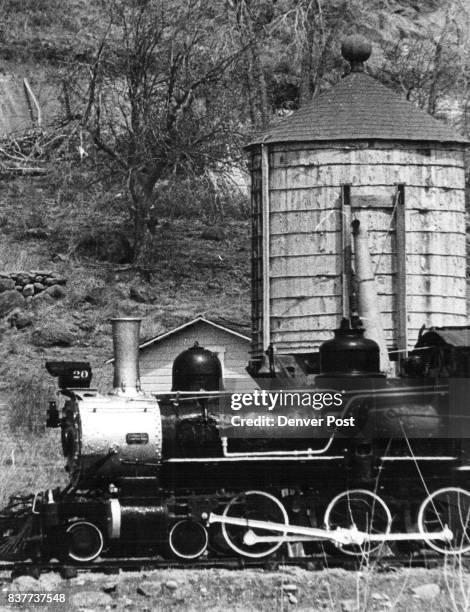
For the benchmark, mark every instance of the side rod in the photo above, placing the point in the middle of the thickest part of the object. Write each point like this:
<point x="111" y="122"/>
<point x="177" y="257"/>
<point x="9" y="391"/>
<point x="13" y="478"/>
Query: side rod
<point x="339" y="535"/>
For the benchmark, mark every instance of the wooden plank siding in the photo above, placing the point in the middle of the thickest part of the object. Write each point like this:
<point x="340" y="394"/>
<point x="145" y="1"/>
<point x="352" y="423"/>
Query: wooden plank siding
<point x="306" y="241"/>
<point x="156" y="360"/>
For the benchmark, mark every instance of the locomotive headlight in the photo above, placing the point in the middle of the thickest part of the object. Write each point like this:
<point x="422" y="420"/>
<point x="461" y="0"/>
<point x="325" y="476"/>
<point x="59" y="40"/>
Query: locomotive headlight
<point x="53" y="417"/>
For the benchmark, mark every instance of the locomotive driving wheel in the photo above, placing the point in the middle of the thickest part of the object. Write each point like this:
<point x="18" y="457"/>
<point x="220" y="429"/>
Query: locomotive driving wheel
<point x="188" y="540"/>
<point x="363" y="510"/>
<point x="83" y="542"/>
<point x="448" y="507"/>
<point x="254" y="505"/>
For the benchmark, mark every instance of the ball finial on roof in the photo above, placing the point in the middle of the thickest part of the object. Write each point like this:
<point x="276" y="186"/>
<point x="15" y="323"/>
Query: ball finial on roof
<point x="356" y="50"/>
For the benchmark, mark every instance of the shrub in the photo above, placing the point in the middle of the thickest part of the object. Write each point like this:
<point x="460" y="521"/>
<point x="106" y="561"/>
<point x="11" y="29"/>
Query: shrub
<point x="28" y="405"/>
<point x="201" y="197"/>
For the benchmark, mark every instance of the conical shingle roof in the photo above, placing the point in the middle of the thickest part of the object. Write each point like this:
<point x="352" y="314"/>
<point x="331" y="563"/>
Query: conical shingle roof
<point x="359" y="108"/>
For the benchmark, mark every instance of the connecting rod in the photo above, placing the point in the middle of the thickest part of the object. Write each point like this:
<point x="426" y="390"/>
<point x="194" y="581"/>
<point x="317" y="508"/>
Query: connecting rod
<point x="340" y="536"/>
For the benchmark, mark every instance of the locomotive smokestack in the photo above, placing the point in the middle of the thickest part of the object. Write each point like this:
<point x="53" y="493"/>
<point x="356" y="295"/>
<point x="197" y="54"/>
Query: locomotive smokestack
<point x="126" y="356"/>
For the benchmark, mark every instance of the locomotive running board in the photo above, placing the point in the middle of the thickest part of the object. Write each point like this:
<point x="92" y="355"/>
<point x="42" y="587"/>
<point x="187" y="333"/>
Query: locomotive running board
<point x="340" y="535"/>
<point x="256" y="458"/>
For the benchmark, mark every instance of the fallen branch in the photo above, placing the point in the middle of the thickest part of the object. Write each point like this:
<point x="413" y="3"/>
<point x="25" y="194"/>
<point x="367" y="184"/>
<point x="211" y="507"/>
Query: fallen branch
<point x="8" y="172"/>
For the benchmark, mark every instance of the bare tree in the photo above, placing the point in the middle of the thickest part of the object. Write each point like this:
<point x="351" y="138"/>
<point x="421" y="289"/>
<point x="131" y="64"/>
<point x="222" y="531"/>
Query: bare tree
<point x="317" y="29"/>
<point x="430" y="67"/>
<point x="157" y="100"/>
<point x="251" y="20"/>
<point x="312" y="31"/>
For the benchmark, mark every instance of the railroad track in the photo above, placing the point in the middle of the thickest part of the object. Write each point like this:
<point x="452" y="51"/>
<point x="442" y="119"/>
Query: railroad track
<point x="312" y="562"/>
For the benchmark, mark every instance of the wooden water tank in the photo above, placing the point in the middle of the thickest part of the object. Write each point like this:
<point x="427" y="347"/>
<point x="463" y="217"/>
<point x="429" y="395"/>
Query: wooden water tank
<point x="357" y="151"/>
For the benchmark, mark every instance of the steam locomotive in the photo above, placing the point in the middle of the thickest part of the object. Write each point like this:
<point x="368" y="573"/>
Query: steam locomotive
<point x="163" y="476"/>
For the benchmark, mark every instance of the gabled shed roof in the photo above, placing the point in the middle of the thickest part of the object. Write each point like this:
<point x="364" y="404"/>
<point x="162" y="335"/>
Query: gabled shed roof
<point x="230" y="327"/>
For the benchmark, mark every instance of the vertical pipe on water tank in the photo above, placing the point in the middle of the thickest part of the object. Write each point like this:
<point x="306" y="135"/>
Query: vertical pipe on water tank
<point x="266" y="231"/>
<point x="367" y="292"/>
<point x="126" y="356"/>
<point x="346" y="246"/>
<point x="402" y="302"/>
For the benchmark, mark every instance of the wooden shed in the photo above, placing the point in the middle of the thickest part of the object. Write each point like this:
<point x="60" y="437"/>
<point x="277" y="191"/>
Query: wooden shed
<point x="361" y="151"/>
<point x="229" y="340"/>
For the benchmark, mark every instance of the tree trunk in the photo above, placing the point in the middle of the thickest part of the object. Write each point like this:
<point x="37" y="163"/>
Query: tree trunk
<point x="251" y="91"/>
<point x="308" y="63"/>
<point x="142" y="242"/>
<point x="433" y="90"/>
<point x="141" y="193"/>
<point x="261" y="86"/>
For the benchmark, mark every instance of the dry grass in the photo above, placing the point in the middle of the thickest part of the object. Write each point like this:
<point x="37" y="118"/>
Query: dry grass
<point x="457" y="583"/>
<point x="28" y="404"/>
<point x="29" y="461"/>
<point x="66" y="27"/>
<point x="29" y="464"/>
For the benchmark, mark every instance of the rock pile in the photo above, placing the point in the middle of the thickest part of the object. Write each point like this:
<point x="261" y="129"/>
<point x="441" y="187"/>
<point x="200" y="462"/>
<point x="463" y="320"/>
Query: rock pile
<point x="33" y="282"/>
<point x="17" y="289"/>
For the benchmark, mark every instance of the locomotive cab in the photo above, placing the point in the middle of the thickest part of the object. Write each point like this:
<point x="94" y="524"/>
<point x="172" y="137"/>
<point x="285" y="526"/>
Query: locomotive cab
<point x="441" y="352"/>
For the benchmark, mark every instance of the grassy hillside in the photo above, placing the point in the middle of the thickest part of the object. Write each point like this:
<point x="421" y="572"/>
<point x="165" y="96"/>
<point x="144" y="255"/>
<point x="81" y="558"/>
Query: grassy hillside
<point x="192" y="275"/>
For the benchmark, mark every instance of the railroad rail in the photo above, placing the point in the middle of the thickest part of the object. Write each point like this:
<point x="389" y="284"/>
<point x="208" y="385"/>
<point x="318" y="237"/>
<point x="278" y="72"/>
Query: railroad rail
<point x="316" y="562"/>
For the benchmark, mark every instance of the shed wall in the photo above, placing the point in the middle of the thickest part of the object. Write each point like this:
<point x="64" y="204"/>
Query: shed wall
<point x="156" y="360"/>
<point x="306" y="237"/>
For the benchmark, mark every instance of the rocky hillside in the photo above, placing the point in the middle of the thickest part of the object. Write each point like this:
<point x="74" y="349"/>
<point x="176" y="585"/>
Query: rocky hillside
<point x="203" y="270"/>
